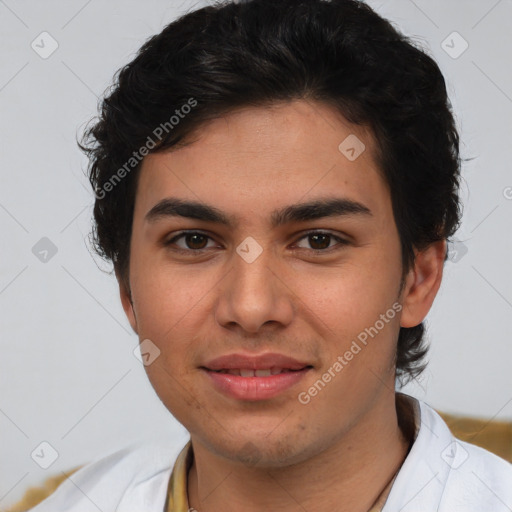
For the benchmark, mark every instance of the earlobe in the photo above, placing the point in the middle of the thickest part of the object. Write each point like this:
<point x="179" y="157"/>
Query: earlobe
<point x="126" y="301"/>
<point x="422" y="284"/>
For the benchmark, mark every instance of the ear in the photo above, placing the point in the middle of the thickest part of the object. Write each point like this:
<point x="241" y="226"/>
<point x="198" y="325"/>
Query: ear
<point x="126" y="301"/>
<point x="422" y="284"/>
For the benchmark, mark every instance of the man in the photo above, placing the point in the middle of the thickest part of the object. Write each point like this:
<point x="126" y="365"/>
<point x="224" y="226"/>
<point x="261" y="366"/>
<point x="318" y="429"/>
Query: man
<point x="275" y="185"/>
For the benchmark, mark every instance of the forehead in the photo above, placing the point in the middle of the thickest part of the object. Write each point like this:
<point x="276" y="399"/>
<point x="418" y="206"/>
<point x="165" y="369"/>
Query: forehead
<point x="256" y="158"/>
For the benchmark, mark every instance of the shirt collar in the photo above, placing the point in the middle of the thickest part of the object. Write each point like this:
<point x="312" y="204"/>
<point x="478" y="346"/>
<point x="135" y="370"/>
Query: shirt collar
<point x="177" y="494"/>
<point x="422" y="479"/>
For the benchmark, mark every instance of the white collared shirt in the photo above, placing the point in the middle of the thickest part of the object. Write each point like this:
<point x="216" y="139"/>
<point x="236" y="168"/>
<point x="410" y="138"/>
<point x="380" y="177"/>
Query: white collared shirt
<point x="440" y="474"/>
<point x="443" y="474"/>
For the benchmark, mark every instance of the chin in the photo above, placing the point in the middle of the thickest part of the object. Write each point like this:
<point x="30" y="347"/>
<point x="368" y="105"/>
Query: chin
<point x="260" y="451"/>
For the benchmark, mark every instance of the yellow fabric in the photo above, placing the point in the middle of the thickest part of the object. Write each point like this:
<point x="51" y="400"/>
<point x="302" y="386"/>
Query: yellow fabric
<point x="34" y="495"/>
<point x="177" y="494"/>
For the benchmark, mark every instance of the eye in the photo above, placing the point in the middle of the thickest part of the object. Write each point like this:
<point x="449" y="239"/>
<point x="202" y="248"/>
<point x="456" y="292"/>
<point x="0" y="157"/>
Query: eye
<point x="194" y="241"/>
<point x="320" y="241"/>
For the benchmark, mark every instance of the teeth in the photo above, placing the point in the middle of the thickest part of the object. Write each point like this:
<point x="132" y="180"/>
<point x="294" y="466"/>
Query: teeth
<point x="267" y="372"/>
<point x="262" y="373"/>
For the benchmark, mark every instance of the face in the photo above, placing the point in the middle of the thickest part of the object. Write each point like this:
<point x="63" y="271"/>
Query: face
<point x="301" y="284"/>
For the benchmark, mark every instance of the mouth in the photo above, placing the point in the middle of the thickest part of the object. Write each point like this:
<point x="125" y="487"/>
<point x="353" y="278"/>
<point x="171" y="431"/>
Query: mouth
<point x="247" y="384"/>
<point x="247" y="376"/>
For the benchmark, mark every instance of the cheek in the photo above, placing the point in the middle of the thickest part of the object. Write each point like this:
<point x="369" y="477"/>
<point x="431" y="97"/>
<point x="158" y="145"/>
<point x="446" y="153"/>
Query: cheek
<point x="169" y="313"/>
<point x="168" y="298"/>
<point x="351" y="294"/>
<point x="351" y="306"/>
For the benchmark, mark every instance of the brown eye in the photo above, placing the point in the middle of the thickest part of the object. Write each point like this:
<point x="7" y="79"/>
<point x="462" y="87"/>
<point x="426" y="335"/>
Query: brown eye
<point x="320" y="242"/>
<point x="193" y="241"/>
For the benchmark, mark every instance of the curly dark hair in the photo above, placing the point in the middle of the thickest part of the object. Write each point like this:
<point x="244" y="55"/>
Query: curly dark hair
<point x="339" y="52"/>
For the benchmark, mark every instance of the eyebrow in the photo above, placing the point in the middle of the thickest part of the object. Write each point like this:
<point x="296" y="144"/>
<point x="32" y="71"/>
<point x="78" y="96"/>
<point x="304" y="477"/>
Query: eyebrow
<point x="301" y="212"/>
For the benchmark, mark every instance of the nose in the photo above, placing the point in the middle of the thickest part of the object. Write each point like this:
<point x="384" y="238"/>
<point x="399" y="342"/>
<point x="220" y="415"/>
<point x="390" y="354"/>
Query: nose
<point x="253" y="295"/>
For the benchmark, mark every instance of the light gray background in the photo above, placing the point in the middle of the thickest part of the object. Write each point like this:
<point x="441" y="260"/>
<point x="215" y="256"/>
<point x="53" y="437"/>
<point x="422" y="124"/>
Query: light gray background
<point x="68" y="372"/>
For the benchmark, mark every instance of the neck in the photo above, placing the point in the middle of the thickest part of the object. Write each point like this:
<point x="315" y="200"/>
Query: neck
<point x="349" y="476"/>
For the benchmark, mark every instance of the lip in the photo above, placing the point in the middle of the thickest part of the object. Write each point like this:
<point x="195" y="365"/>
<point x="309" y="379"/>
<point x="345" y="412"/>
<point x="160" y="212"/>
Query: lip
<point x="254" y="388"/>
<point x="259" y="362"/>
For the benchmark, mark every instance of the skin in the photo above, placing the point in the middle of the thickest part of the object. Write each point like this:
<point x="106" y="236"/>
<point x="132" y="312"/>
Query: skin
<point x="341" y="449"/>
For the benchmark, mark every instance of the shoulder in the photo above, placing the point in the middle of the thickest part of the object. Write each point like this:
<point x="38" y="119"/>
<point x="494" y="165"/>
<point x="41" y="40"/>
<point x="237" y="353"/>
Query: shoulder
<point x="475" y="475"/>
<point x="444" y="473"/>
<point x="135" y="477"/>
<point x="478" y="477"/>
<point x="468" y="457"/>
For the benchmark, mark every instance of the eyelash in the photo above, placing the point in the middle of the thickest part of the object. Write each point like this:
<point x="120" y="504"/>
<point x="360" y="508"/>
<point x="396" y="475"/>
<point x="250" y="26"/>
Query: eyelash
<point x="341" y="242"/>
